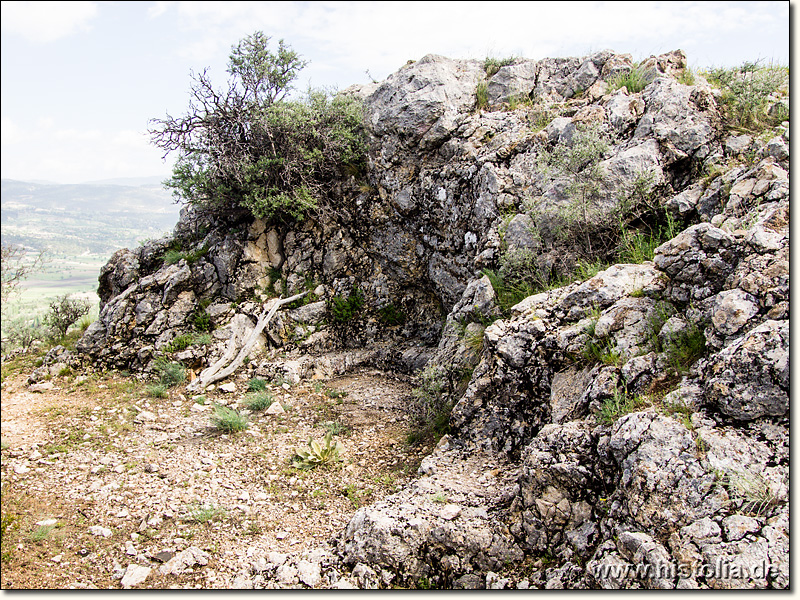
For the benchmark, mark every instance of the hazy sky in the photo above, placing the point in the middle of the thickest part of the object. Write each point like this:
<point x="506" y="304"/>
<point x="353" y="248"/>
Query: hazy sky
<point x="80" y="80"/>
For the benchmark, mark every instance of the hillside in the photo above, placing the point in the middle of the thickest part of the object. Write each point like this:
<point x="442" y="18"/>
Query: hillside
<point x="84" y="218"/>
<point x="582" y="262"/>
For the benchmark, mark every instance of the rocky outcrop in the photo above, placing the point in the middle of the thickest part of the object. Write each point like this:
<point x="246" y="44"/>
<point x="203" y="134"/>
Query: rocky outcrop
<point x="629" y="429"/>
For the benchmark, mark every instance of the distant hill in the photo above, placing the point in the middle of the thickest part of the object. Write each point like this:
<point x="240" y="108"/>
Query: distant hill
<point x="90" y="218"/>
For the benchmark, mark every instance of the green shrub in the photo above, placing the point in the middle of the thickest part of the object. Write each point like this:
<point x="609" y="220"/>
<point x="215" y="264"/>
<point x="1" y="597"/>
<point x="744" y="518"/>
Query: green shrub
<point x="391" y="315"/>
<point x="751" y="487"/>
<point x="345" y="309"/>
<point x="22" y="334"/>
<point x="508" y="292"/>
<point x="206" y="513"/>
<point x="430" y="406"/>
<point x="157" y="390"/>
<point x="64" y="311"/>
<point x="256" y="385"/>
<point x="228" y="420"/>
<point x="202" y="321"/>
<point x="619" y="405"/>
<point x="172" y="257"/>
<point x="684" y="348"/>
<point x="258" y="401"/>
<point x="169" y="373"/>
<point x="746" y="92"/>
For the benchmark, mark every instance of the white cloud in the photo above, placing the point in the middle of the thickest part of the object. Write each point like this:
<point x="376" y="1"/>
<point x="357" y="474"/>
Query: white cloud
<point x="46" y="21"/>
<point x="71" y="155"/>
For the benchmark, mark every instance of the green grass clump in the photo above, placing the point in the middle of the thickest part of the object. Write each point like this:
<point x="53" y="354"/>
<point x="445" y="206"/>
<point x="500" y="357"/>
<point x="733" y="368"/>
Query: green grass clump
<point x="228" y="420"/>
<point x="747" y="93"/>
<point x="634" y="80"/>
<point x="391" y="315"/>
<point x="482" y="95"/>
<point x="259" y="401"/>
<point x="492" y="65"/>
<point x="157" y="390"/>
<point x="169" y="373"/>
<point x="619" y="405"/>
<point x="256" y="385"/>
<point x="205" y="514"/>
<point x="753" y="488"/>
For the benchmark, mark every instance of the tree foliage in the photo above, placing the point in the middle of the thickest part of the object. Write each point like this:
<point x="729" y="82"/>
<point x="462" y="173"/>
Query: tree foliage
<point x="250" y="147"/>
<point x="64" y="312"/>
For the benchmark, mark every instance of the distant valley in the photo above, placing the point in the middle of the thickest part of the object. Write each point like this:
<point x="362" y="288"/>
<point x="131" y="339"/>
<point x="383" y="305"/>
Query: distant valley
<point x="75" y="219"/>
<point x="79" y="226"/>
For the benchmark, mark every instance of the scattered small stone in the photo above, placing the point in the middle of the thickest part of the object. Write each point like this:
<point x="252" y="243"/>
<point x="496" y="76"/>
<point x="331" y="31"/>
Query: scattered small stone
<point x="281" y="535"/>
<point x="450" y="512"/>
<point x="57" y="558"/>
<point x="100" y="531"/>
<point x="47" y="523"/>
<point x="309" y="573"/>
<point x="45" y="386"/>
<point x="228" y="388"/>
<point x="151" y="468"/>
<point x="143" y="416"/>
<point x="21" y="469"/>
<point x="183" y="560"/>
<point x="163" y="556"/>
<point x="130" y="549"/>
<point x="275" y="409"/>
<point x="134" y="575"/>
<point x="286" y="574"/>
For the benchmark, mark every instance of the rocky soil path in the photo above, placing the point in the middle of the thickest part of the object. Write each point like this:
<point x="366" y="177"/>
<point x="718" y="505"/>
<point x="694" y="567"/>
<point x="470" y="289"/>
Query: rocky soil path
<point x="104" y="486"/>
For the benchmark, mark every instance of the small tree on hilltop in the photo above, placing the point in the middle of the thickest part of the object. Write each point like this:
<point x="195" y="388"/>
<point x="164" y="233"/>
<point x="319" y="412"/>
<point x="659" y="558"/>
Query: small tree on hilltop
<point x="251" y="148"/>
<point x="64" y="312"/>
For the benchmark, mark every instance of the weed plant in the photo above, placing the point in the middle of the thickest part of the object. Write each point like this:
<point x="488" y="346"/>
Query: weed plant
<point x="228" y="420"/>
<point x="747" y="92"/>
<point x="169" y="373"/>
<point x="634" y="80"/>
<point x="256" y="385"/>
<point x="258" y="401"/>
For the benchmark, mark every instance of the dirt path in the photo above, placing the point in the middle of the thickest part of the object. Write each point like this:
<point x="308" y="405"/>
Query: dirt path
<point x="98" y="476"/>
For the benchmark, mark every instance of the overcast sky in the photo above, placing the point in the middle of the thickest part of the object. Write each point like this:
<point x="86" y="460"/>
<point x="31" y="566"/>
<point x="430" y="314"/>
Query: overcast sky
<point x="80" y="80"/>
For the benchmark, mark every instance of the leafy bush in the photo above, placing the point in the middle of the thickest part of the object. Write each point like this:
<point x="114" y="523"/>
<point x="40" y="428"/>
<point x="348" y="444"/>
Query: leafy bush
<point x="22" y="334"/>
<point x="746" y="93"/>
<point x="318" y="454"/>
<point x="343" y="309"/>
<point x="248" y="147"/>
<point x="228" y="420"/>
<point x="64" y="311"/>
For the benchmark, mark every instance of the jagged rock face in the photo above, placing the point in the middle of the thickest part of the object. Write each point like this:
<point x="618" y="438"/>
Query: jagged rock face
<point x="539" y="460"/>
<point x="440" y="175"/>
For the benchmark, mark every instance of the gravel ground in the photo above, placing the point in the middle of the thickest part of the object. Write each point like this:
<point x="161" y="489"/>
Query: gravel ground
<point x="99" y="480"/>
